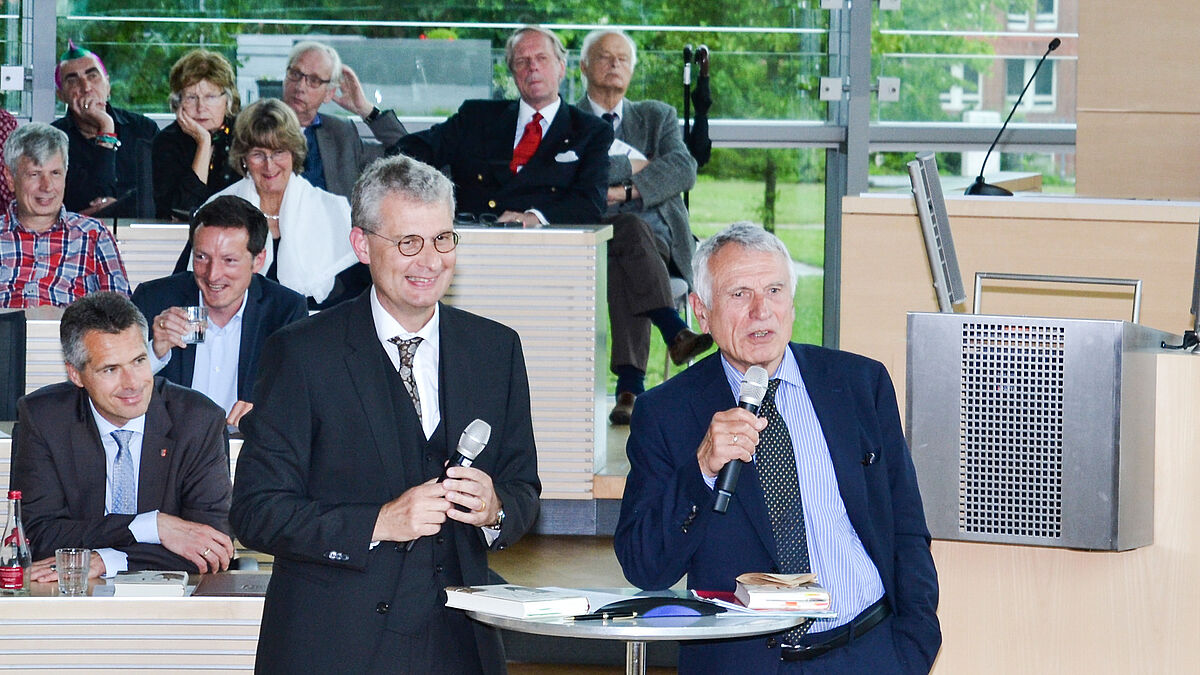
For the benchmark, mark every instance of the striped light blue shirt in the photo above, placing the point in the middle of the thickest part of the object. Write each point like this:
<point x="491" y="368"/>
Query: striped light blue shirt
<point x="837" y="555"/>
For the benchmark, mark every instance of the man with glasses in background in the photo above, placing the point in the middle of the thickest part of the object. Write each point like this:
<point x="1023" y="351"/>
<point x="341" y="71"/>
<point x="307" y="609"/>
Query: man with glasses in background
<point x="104" y="160"/>
<point x="356" y="411"/>
<point x="336" y="153"/>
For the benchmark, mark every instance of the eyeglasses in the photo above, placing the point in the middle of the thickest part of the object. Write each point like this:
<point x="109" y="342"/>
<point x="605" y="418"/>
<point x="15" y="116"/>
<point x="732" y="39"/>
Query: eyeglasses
<point x="207" y="99"/>
<point x="312" y="79"/>
<point x="260" y="157"/>
<point x="411" y="244"/>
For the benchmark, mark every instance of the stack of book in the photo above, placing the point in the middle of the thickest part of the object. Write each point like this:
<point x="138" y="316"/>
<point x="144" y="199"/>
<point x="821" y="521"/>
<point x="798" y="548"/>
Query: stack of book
<point x="521" y="602"/>
<point x="800" y="592"/>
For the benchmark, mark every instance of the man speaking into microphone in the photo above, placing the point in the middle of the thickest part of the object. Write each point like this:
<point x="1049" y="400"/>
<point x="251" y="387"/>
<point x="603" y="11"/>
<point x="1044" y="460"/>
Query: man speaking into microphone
<point x="357" y="411"/>
<point x="827" y="485"/>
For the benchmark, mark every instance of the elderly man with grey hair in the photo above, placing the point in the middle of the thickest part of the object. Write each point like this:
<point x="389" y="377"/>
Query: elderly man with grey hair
<point x="336" y="153"/>
<point x="118" y="461"/>
<point x="357" y="410"/>
<point x="827" y="483"/>
<point x="649" y="169"/>
<point x="48" y="255"/>
<point x="535" y="161"/>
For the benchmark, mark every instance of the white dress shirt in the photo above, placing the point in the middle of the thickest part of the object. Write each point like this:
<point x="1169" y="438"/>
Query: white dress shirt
<point x="425" y="360"/>
<point x="216" y="369"/>
<point x="145" y="525"/>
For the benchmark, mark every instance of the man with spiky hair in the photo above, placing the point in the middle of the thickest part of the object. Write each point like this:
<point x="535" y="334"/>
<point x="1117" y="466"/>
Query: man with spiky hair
<point x="103" y="138"/>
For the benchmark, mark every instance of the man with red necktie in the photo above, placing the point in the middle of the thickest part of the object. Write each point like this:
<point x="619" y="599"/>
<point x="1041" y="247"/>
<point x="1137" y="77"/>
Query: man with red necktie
<point x="536" y="161"/>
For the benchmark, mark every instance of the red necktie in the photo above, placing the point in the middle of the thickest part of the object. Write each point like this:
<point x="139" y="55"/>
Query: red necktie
<point x="528" y="144"/>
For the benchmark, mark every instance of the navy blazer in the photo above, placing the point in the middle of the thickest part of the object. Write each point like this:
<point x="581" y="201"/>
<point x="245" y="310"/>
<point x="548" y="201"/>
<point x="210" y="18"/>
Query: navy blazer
<point x="667" y="527"/>
<point x="327" y="446"/>
<point x="566" y="179"/>
<point x="269" y="307"/>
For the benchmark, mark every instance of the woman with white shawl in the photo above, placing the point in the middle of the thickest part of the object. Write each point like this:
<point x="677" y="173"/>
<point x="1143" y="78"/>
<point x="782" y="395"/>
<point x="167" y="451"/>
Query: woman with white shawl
<point x="310" y="250"/>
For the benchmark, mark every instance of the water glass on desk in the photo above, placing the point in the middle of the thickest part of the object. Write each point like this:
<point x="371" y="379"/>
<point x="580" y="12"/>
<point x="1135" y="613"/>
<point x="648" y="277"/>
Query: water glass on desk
<point x="197" y="318"/>
<point x="72" y="565"/>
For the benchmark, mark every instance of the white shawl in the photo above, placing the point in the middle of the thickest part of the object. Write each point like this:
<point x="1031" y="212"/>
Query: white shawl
<point x="314" y="235"/>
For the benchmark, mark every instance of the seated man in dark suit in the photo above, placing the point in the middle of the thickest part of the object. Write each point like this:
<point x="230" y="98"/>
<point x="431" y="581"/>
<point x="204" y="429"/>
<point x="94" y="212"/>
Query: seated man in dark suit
<point x="118" y="461"/>
<point x="228" y="243"/>
<point x="827" y="485"/>
<point x="535" y="161"/>
<point x="649" y="169"/>
<point x="104" y="159"/>
<point x="336" y="153"/>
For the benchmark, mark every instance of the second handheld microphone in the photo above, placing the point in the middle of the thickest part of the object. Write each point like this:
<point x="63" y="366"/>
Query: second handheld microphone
<point x="754" y="388"/>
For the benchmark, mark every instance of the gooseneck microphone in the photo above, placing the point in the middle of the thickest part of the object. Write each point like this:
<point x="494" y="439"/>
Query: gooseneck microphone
<point x="754" y="388"/>
<point x="986" y="189"/>
<point x="470" y="444"/>
<point x="472" y="441"/>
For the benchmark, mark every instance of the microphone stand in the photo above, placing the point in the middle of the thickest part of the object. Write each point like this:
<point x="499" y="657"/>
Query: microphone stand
<point x="687" y="106"/>
<point x="980" y="188"/>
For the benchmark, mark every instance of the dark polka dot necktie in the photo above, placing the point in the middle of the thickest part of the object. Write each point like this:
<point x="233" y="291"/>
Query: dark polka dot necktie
<point x="776" y="462"/>
<point x="408" y="349"/>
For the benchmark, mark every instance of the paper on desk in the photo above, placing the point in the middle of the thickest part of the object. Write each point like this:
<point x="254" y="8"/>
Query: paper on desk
<point x="738" y="608"/>
<point x="620" y="147"/>
<point x="776" y="580"/>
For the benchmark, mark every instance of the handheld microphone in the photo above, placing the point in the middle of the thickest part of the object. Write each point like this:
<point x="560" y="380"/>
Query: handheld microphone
<point x="470" y="444"/>
<point x="981" y="188"/>
<point x="754" y="388"/>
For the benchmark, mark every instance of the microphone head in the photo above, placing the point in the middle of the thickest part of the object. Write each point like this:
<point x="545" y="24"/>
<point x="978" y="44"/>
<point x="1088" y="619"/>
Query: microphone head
<point x="754" y="386"/>
<point x="687" y="53"/>
<point x="1055" y="43"/>
<point x="474" y="438"/>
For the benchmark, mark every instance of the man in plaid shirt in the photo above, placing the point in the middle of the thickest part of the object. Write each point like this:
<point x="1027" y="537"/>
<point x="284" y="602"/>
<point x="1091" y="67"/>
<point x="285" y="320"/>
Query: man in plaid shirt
<point x="48" y="255"/>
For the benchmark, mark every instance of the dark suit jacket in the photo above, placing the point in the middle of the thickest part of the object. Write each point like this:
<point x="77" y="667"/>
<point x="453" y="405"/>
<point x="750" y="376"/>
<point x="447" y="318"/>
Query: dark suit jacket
<point x="326" y="447"/>
<point x="343" y="152"/>
<point x="653" y="128"/>
<point x="667" y="527"/>
<point x="269" y="307"/>
<point x="59" y="467"/>
<point x="93" y="171"/>
<point x="566" y="179"/>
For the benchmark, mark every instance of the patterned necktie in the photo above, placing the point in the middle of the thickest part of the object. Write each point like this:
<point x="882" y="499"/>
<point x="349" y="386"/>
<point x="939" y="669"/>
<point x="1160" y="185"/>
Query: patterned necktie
<point x="528" y="144"/>
<point x="408" y="349"/>
<point x="611" y="118"/>
<point x="776" y="462"/>
<point x="124" y="487"/>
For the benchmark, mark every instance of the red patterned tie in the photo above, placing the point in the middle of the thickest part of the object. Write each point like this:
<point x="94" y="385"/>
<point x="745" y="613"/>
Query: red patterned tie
<point x="529" y="143"/>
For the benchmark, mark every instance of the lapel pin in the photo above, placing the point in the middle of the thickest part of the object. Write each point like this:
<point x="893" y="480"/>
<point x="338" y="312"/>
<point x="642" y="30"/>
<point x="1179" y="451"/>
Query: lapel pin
<point x="163" y="453"/>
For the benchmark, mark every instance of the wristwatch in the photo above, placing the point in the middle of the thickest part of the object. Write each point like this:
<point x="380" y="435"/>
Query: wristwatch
<point x="495" y="527"/>
<point x="628" y="191"/>
<point x="373" y="115"/>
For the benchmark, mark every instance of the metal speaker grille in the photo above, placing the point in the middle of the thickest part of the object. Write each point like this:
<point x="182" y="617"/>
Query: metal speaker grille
<point x="1010" y="430"/>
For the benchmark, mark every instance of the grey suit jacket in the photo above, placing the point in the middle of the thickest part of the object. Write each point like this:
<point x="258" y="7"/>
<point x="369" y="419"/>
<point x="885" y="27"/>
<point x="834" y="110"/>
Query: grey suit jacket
<point x="653" y="128"/>
<point x="59" y="465"/>
<point x="345" y="155"/>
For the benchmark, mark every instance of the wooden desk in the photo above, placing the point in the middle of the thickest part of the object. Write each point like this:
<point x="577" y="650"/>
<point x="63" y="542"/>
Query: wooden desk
<point x="160" y="635"/>
<point x="885" y="273"/>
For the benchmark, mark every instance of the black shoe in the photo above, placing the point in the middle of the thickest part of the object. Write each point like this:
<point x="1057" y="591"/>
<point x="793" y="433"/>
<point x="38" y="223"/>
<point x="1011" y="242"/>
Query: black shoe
<point x="623" y="410"/>
<point x="687" y="345"/>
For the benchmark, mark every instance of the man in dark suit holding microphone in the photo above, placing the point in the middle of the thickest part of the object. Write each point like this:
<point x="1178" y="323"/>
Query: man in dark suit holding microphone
<point x="356" y="411"/>
<point x="828" y="484"/>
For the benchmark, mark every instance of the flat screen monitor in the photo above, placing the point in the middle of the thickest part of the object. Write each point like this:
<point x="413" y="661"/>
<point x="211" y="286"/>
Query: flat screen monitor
<point x="935" y="227"/>
<point x="12" y="361"/>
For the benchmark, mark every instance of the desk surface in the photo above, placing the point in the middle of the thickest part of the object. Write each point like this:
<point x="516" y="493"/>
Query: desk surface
<point x="647" y="629"/>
